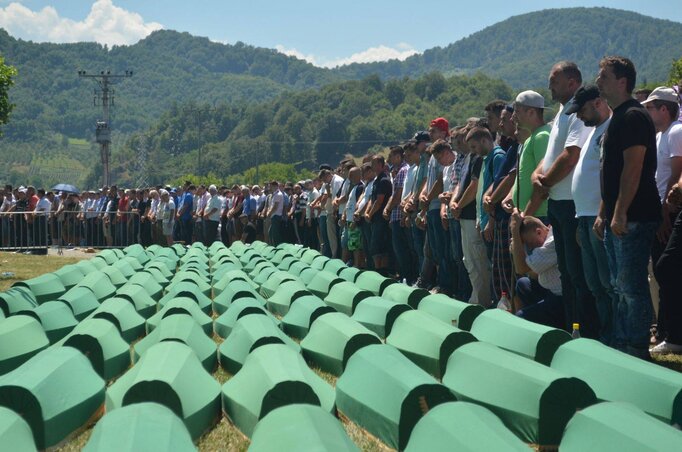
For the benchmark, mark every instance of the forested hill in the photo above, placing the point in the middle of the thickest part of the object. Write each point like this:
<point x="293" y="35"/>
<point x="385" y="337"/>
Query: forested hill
<point x="521" y="49"/>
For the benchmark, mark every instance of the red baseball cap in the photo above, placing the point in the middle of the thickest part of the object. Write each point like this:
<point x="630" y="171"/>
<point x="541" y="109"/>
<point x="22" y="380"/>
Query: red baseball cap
<point x="442" y="124"/>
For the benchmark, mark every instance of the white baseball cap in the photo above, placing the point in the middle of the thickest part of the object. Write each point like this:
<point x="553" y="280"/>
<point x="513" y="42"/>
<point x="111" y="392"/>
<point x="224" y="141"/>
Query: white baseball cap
<point x="662" y="93"/>
<point x="530" y="99"/>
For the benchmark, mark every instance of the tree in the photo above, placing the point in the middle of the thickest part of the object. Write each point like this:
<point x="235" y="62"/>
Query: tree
<point x="7" y="73"/>
<point x="676" y="73"/>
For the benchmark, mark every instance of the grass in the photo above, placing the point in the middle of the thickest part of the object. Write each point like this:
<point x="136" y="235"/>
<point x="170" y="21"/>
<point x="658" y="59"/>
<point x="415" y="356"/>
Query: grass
<point x="224" y="436"/>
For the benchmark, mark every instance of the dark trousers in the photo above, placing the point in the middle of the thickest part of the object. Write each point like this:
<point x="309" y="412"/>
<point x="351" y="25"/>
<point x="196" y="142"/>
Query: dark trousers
<point x="210" y="232"/>
<point x="668" y="272"/>
<point x="186" y="230"/>
<point x="579" y="304"/>
<point x="539" y="304"/>
<point x="310" y="235"/>
<point x="40" y="234"/>
<point x="400" y="237"/>
<point x="326" y="247"/>
<point x="462" y="291"/>
<point x="656" y="252"/>
<point x="275" y="232"/>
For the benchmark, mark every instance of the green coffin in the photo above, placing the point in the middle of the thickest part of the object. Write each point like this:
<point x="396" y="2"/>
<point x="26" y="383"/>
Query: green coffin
<point x="251" y="264"/>
<point x="307" y="275"/>
<point x="109" y="256"/>
<point x="21" y="337"/>
<point x="225" y="268"/>
<point x="273" y="376"/>
<point x="462" y="426"/>
<point x="401" y="293"/>
<point x="617" y="377"/>
<point x="224" y="324"/>
<point x="126" y="269"/>
<point x="15" y="433"/>
<point x="386" y="394"/>
<point x="81" y="300"/>
<point x="618" y="427"/>
<point x="169" y="373"/>
<point x="534" y="401"/>
<point x="149" y="283"/>
<point x="309" y="255"/>
<point x="234" y="291"/>
<point x="17" y="299"/>
<point x="121" y="312"/>
<point x="161" y="267"/>
<point x="56" y="319"/>
<point x="249" y="333"/>
<point x="344" y="296"/>
<point x="322" y="283"/>
<point x="181" y="328"/>
<point x="45" y="287"/>
<point x="334" y="266"/>
<point x="143" y="302"/>
<point x="332" y="340"/>
<point x="99" y="262"/>
<point x="228" y="278"/>
<point x="181" y="305"/>
<point x="57" y="392"/>
<point x="529" y="339"/>
<point x="262" y="272"/>
<point x="349" y="274"/>
<point x="427" y="341"/>
<point x="378" y="314"/>
<point x="287" y="262"/>
<point x="451" y="311"/>
<point x="302" y="313"/>
<point x="286" y="294"/>
<point x="115" y="275"/>
<point x="270" y="286"/>
<point x="319" y="262"/>
<point x="158" y="275"/>
<point x="140" y="427"/>
<point x="374" y="282"/>
<point x="297" y="267"/>
<point x="190" y="290"/>
<point x="300" y="427"/>
<point x="69" y="275"/>
<point x="201" y="285"/>
<point x="99" y="283"/>
<point x="86" y="266"/>
<point x="100" y="341"/>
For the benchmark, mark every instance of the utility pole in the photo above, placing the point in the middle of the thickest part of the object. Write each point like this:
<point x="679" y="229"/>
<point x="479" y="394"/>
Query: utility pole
<point x="105" y="95"/>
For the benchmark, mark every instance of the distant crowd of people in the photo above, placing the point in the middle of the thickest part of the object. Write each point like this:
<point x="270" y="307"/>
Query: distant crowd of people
<point x="555" y="221"/>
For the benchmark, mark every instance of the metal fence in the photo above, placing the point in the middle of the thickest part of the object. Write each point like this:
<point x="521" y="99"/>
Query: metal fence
<point x="36" y="232"/>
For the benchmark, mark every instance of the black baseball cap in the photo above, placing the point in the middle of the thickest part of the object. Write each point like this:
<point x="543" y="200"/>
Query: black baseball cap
<point x="326" y="166"/>
<point x="581" y="97"/>
<point x="422" y="136"/>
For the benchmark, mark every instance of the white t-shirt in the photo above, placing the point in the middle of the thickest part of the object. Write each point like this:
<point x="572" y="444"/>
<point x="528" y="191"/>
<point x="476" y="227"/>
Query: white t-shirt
<point x="369" y="186"/>
<point x="669" y="145"/>
<point x="312" y="196"/>
<point x="336" y="184"/>
<point x="214" y="203"/>
<point x="43" y="206"/>
<point x="585" y="186"/>
<point x="7" y="203"/>
<point x="543" y="261"/>
<point x="352" y="202"/>
<point x="409" y="181"/>
<point x="278" y="198"/>
<point x="567" y="131"/>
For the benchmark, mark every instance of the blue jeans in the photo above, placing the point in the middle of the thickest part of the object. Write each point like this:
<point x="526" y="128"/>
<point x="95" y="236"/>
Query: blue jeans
<point x="326" y="249"/>
<point x="462" y="291"/>
<point x="628" y="261"/>
<point x="418" y="243"/>
<point x="440" y="248"/>
<point x="578" y="301"/>
<point x="598" y="277"/>
<point x="401" y="249"/>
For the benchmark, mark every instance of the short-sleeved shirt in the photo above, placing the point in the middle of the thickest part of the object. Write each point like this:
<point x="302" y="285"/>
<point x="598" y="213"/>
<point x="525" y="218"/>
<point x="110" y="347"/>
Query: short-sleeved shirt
<point x="473" y="169"/>
<point x="410" y="180"/>
<point x="491" y="165"/>
<point x="250" y="205"/>
<point x="669" y="145"/>
<point x="335" y="187"/>
<point x="43" y="206"/>
<point x="509" y="164"/>
<point x="630" y="126"/>
<point x="278" y="198"/>
<point x="585" y="183"/>
<point x="382" y="186"/>
<point x="187" y="204"/>
<point x="353" y="196"/>
<point x="422" y="170"/>
<point x="567" y="131"/>
<point x="214" y="203"/>
<point x="532" y="152"/>
<point x="312" y="196"/>
<point x="434" y="173"/>
<point x="369" y="187"/>
<point x="544" y="262"/>
<point x="398" y="184"/>
<point x="449" y="182"/>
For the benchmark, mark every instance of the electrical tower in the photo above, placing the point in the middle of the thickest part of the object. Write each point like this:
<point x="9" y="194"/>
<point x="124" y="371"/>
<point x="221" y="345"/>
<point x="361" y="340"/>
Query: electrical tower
<point x="104" y="95"/>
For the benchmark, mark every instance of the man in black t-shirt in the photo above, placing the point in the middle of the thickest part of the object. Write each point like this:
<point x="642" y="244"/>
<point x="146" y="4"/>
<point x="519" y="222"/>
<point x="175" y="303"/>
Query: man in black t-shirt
<point x="630" y="210"/>
<point x="379" y="247"/>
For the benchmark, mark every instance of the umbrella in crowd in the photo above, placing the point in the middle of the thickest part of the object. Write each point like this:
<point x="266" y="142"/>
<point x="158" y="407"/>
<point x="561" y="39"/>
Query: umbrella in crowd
<point x="66" y="187"/>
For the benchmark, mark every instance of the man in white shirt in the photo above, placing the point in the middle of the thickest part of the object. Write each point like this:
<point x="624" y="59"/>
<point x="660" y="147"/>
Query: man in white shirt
<point x="41" y="212"/>
<point x="534" y="254"/>
<point x="311" y="231"/>
<point x="595" y="113"/>
<point x="275" y="213"/>
<point x="212" y="216"/>
<point x="662" y="106"/>
<point x="553" y="177"/>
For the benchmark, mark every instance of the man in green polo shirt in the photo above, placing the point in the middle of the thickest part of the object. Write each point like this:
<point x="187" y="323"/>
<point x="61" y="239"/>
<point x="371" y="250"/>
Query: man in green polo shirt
<point x="528" y="114"/>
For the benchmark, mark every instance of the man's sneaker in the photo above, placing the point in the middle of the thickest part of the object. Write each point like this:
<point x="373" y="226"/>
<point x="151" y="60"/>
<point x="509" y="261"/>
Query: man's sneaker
<point x="665" y="348"/>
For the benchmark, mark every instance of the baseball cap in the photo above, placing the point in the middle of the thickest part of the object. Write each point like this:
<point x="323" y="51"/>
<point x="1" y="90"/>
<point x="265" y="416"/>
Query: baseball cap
<point x="442" y="124"/>
<point x="662" y="93"/>
<point x="581" y="97"/>
<point x="325" y="166"/>
<point x="421" y="136"/>
<point x="530" y="99"/>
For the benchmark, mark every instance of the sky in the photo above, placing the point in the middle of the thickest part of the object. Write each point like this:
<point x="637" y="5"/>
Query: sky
<point x="325" y="33"/>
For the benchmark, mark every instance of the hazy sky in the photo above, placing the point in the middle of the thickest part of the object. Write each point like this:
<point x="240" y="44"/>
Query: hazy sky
<point x="325" y="33"/>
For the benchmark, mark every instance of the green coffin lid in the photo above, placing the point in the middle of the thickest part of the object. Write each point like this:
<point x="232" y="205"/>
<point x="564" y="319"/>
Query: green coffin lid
<point x="374" y="282"/>
<point x="45" y="287"/>
<point x="21" y="337"/>
<point x="401" y="293"/>
<point x="56" y="319"/>
<point x="143" y="302"/>
<point x="287" y="293"/>
<point x="181" y="305"/>
<point x="99" y="283"/>
<point x="224" y="324"/>
<point x="15" y="433"/>
<point x="302" y="313"/>
<point x="379" y="314"/>
<point x="17" y="299"/>
<point x="322" y="283"/>
<point x="344" y="297"/>
<point x="81" y="300"/>
<point x="451" y="311"/>
<point x="121" y="312"/>
<point x="69" y="275"/>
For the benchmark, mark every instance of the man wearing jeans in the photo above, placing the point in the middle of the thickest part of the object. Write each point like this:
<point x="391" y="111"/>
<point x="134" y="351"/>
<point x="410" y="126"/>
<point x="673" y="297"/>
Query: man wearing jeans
<point x="594" y="112"/>
<point x="630" y="211"/>
<point x="399" y="235"/>
<point x="553" y="177"/>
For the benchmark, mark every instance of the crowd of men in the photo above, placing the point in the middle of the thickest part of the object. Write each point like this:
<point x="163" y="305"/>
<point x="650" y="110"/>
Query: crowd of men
<point x="555" y="221"/>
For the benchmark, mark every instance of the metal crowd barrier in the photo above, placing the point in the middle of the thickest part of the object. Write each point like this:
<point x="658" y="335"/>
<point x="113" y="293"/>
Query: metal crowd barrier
<point x="36" y="232"/>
